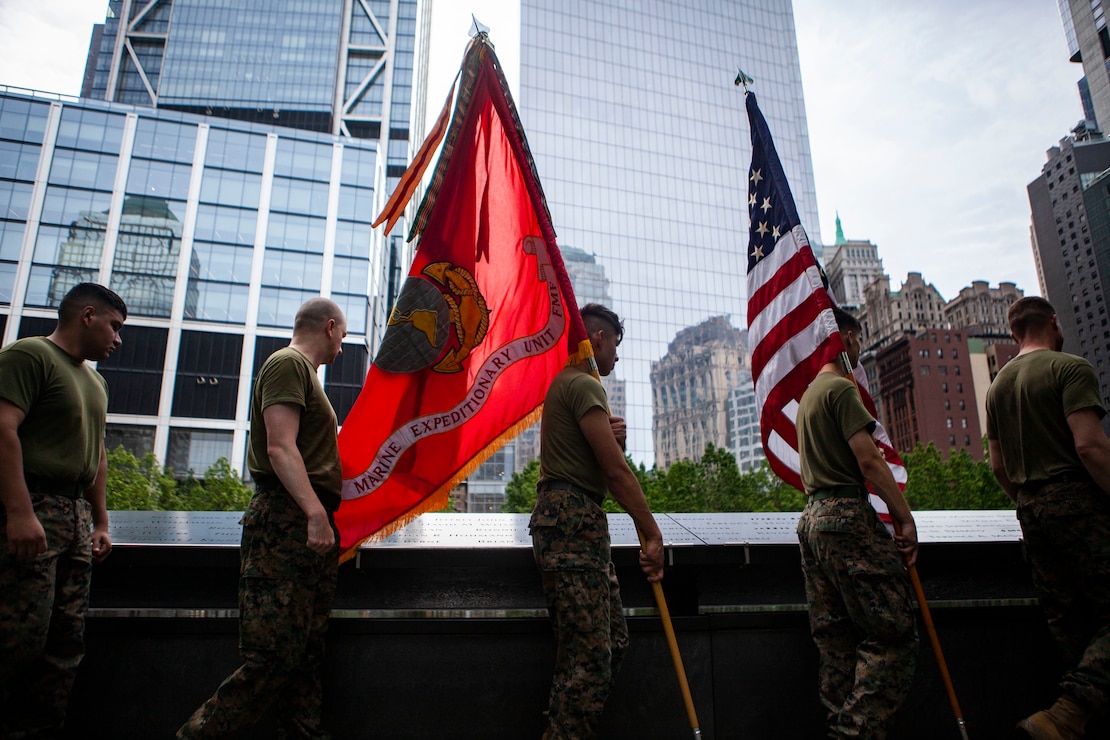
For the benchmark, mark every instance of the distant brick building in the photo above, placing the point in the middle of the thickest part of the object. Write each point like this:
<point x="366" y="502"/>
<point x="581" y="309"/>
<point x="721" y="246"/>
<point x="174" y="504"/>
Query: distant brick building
<point x="928" y="392"/>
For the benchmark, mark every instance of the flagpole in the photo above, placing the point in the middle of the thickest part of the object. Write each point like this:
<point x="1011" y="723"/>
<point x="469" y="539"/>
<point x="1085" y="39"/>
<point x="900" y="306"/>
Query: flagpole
<point x="926" y="614"/>
<point x="672" y="644"/>
<point x="665" y="617"/>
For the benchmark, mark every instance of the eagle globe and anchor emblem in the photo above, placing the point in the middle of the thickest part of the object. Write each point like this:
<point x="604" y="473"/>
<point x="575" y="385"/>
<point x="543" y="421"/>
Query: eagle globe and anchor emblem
<point x="439" y="317"/>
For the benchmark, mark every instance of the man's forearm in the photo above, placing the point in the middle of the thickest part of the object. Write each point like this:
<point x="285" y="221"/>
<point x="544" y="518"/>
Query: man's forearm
<point x="877" y="472"/>
<point x="631" y="498"/>
<point x="289" y="467"/>
<point x="97" y="494"/>
<point x="13" y="486"/>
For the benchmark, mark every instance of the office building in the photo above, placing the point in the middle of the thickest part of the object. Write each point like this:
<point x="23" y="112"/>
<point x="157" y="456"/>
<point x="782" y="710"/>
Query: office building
<point x="981" y="310"/>
<point x="1070" y="204"/>
<point x="852" y="266"/>
<point x="691" y="387"/>
<point x="1089" y="44"/>
<point x="208" y="212"/>
<point x="888" y="314"/>
<point x="642" y="145"/>
<point x="745" y="442"/>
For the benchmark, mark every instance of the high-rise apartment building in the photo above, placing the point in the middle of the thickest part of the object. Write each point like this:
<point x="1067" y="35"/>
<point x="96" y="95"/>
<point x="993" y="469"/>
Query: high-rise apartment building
<point x="691" y="387"/>
<point x="1070" y="204"/>
<point x="641" y="143"/>
<point x="195" y="198"/>
<point x="888" y="314"/>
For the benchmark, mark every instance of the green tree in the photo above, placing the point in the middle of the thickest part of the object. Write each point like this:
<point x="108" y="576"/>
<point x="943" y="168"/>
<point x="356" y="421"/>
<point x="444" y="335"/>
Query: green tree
<point x="960" y="482"/>
<point x="221" y="490"/>
<point x="143" y="484"/>
<point x="136" y="483"/>
<point x="770" y="493"/>
<point x="520" y="491"/>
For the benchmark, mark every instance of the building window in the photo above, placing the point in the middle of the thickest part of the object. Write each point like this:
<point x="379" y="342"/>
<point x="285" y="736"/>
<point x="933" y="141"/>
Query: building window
<point x="196" y="450"/>
<point x="134" y="371"/>
<point x="963" y="422"/>
<point x="942" y="370"/>
<point x="924" y="369"/>
<point x="345" y="377"/>
<point x="940" y="352"/>
<point x="135" y="438"/>
<point x="948" y="422"/>
<point x="944" y="387"/>
<point x="207" y="383"/>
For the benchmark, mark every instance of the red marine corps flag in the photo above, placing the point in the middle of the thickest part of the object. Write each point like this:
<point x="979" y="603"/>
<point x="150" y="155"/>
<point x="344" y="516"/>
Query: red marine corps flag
<point x="483" y="322"/>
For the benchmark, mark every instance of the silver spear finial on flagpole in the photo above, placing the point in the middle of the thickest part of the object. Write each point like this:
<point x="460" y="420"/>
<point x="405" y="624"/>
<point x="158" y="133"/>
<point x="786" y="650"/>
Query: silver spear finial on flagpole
<point x="477" y="28"/>
<point x="742" y="79"/>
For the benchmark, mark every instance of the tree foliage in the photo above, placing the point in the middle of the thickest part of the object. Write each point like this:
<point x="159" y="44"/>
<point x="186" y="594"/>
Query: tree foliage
<point x="520" y="491"/>
<point x="714" y="483"/>
<point x="142" y="484"/>
<point x="960" y="482"/>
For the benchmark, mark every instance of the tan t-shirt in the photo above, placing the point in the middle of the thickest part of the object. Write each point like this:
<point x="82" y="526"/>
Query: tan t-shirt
<point x="830" y="412"/>
<point x="288" y="377"/>
<point x="565" y="454"/>
<point x="1027" y="413"/>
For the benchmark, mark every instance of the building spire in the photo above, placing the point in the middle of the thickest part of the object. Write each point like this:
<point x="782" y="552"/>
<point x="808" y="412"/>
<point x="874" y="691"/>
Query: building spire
<point x="839" y="231"/>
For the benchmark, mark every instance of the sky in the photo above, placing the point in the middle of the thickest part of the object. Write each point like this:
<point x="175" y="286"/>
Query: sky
<point x="926" y="120"/>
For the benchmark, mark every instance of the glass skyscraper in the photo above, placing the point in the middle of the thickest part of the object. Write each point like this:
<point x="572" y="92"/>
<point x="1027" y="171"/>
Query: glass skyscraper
<point x="223" y="166"/>
<point x="642" y="145"/>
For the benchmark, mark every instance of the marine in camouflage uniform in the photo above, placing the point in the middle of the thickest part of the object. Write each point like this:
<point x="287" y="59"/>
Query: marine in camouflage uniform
<point x="54" y="521"/>
<point x="581" y="457"/>
<point x="287" y="579"/>
<point x="1049" y="453"/>
<point x="860" y="611"/>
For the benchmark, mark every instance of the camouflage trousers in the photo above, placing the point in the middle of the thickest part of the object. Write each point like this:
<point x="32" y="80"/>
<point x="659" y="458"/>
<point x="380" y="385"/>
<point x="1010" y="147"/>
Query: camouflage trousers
<point x="570" y="539"/>
<point x="285" y="599"/>
<point x="42" y="619"/>
<point x="1067" y="535"/>
<point x="860" y="615"/>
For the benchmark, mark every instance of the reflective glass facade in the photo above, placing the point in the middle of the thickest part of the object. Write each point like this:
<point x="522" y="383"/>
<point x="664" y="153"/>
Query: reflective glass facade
<point x="213" y="231"/>
<point x="340" y="66"/>
<point x="642" y="146"/>
<point x="222" y="167"/>
<point x="280" y="53"/>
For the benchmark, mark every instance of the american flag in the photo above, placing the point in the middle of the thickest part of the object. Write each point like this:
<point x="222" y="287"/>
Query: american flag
<point x="791" y="326"/>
